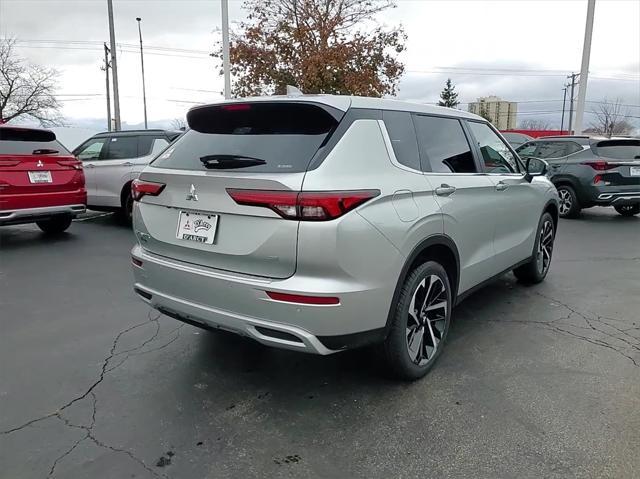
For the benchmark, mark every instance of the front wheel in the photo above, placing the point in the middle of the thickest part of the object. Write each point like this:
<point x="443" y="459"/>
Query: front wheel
<point x="537" y="268"/>
<point x="55" y="225"/>
<point x="628" y="210"/>
<point x="420" y="322"/>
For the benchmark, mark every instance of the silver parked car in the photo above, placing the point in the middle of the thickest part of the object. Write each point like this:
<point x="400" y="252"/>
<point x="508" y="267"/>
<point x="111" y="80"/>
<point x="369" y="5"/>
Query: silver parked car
<point x="112" y="160"/>
<point x="321" y="223"/>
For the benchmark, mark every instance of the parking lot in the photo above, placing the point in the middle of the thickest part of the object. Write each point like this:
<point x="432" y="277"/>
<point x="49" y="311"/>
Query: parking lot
<point x="539" y="381"/>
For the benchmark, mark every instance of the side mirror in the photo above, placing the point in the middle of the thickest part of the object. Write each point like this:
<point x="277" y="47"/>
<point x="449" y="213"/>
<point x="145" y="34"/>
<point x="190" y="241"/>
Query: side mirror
<point x="535" y="167"/>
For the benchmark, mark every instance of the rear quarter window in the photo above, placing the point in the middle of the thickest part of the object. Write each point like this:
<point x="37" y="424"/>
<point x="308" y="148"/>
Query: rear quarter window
<point x="282" y="137"/>
<point x="402" y="135"/>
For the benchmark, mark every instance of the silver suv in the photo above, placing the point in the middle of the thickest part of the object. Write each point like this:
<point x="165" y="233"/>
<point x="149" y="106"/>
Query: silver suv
<point x="321" y="223"/>
<point x="112" y="160"/>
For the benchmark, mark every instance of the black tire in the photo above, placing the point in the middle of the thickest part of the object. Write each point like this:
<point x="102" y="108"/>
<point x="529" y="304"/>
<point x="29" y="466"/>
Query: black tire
<point x="628" y="210"/>
<point x="126" y="211"/>
<point x="536" y="270"/>
<point x="405" y="329"/>
<point x="569" y="205"/>
<point x="55" y="225"/>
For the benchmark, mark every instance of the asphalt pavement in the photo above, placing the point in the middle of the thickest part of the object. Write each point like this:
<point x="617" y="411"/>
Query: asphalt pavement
<point x="540" y="381"/>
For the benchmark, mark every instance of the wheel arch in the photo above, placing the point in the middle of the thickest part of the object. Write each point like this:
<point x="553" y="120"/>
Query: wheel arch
<point x="126" y="189"/>
<point x="440" y="248"/>
<point x="552" y="208"/>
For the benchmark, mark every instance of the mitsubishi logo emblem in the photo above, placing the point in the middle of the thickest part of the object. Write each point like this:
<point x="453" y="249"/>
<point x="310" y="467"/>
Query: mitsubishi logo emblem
<point x="39" y="164"/>
<point x="192" y="195"/>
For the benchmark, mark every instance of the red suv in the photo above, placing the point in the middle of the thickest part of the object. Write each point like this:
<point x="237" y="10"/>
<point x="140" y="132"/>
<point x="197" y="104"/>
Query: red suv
<point x="40" y="180"/>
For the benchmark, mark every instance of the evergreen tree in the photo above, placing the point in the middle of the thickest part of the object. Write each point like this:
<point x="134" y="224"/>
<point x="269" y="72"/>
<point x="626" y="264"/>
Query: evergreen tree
<point x="449" y="97"/>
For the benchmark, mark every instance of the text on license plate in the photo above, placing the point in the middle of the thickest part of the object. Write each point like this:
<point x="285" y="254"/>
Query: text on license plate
<point x="197" y="227"/>
<point x="40" y="177"/>
<point x="634" y="170"/>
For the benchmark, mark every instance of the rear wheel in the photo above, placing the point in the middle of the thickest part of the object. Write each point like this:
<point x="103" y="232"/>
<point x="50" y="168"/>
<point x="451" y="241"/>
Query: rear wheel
<point x="628" y="210"/>
<point x="55" y="225"/>
<point x="420" y="323"/>
<point x="569" y="207"/>
<point x="536" y="270"/>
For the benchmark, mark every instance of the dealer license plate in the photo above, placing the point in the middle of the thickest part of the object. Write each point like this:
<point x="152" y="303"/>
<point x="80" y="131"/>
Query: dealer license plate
<point x="197" y="227"/>
<point x="40" y="177"/>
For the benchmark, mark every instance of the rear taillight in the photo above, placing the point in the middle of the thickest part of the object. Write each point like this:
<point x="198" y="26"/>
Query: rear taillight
<point x="140" y="188"/>
<point x="75" y="164"/>
<point x="599" y="165"/>
<point x="302" y="299"/>
<point x="304" y="206"/>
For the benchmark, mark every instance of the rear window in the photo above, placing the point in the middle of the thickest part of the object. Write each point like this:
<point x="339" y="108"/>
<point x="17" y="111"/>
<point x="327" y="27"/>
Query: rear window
<point x="19" y="141"/>
<point x="251" y="137"/>
<point x="619" y="149"/>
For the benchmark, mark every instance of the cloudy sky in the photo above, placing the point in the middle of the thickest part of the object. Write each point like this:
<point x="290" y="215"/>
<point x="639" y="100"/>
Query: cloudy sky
<point x="519" y="50"/>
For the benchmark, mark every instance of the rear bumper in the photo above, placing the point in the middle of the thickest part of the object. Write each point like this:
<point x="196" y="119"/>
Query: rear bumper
<point x="30" y="215"/>
<point x="619" y="198"/>
<point x="215" y="299"/>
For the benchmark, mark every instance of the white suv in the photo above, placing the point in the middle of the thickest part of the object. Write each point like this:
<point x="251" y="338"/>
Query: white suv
<point x="112" y="160"/>
<point x="321" y="223"/>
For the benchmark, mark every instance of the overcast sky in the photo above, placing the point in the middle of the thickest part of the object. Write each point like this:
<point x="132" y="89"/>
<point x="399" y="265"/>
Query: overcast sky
<point x="519" y="50"/>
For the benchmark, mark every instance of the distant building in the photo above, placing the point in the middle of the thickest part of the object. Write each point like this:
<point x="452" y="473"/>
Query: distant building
<point x="502" y="114"/>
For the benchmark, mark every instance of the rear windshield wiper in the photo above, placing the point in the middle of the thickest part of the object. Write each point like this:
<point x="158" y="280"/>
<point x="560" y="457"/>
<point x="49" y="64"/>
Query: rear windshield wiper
<point x="226" y="162"/>
<point x="45" y="151"/>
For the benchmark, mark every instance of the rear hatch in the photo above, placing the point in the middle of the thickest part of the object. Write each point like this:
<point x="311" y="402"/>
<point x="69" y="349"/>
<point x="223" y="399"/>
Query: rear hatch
<point x="618" y="162"/>
<point x="35" y="168"/>
<point x="264" y="146"/>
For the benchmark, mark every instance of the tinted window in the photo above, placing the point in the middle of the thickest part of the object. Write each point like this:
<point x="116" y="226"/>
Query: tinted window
<point x="619" y="149"/>
<point x="551" y="149"/>
<point x="257" y="137"/>
<point x="572" y="148"/>
<point x="527" y="150"/>
<point x="443" y="145"/>
<point x="18" y="141"/>
<point x="90" y="150"/>
<point x="496" y="155"/>
<point x="121" y="148"/>
<point x="403" y="137"/>
<point x="145" y="142"/>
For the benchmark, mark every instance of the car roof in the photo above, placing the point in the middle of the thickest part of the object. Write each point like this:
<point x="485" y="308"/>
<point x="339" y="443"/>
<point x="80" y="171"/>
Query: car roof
<point x="344" y="102"/>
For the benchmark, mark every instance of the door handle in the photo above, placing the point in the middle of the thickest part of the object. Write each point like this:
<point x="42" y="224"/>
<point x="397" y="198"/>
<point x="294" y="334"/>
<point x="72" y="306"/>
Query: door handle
<point x="88" y="165"/>
<point x="127" y="163"/>
<point x="501" y="186"/>
<point x="445" y="190"/>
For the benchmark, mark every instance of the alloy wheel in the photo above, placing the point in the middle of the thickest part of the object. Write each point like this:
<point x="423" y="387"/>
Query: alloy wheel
<point x="426" y="320"/>
<point x="566" y="201"/>
<point x="545" y="247"/>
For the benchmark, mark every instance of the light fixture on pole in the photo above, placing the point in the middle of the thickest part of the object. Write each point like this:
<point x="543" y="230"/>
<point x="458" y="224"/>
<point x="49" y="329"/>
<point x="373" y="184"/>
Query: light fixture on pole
<point x="144" y="93"/>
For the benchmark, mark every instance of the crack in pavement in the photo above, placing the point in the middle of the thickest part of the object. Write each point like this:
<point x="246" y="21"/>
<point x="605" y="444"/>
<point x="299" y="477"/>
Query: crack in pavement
<point x="90" y="392"/>
<point x="593" y="322"/>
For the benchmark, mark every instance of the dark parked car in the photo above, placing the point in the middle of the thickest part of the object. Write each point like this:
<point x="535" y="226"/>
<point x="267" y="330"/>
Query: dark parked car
<point x="591" y="171"/>
<point x="515" y="139"/>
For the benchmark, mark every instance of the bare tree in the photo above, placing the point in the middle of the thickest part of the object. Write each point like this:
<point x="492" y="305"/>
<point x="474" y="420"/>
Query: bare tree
<point x="611" y="119"/>
<point x="26" y="89"/>
<point x="531" y="124"/>
<point x="178" y="124"/>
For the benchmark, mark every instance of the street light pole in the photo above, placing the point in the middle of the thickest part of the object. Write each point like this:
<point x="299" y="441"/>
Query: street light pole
<point x="114" y="67"/>
<point x="144" y="92"/>
<point x="584" y="68"/>
<point x="106" y="73"/>
<point x="225" y="48"/>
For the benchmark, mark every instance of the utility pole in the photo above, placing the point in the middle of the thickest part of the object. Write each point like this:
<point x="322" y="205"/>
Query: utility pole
<point x="144" y="93"/>
<point x="584" y="68"/>
<point x="573" y="77"/>
<point x="564" y="101"/>
<point x="114" y="67"/>
<point x="224" y="4"/>
<point x="106" y="77"/>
